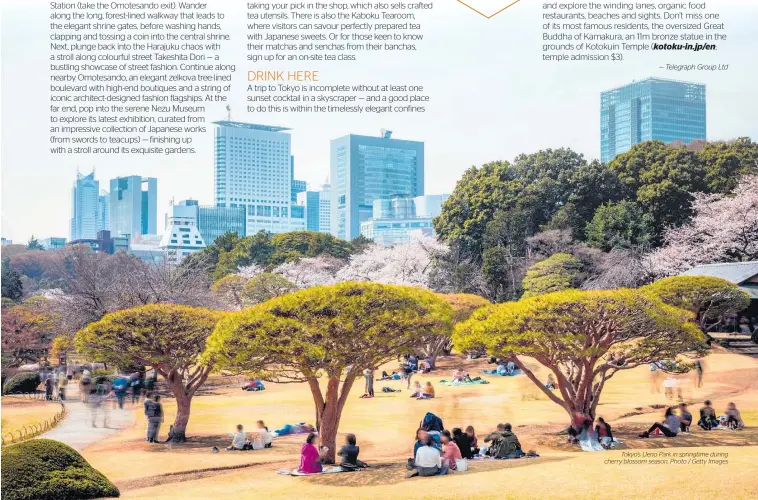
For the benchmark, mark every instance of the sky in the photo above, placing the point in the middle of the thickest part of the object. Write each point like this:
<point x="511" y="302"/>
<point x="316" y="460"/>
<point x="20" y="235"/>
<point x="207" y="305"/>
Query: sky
<point x="492" y="98"/>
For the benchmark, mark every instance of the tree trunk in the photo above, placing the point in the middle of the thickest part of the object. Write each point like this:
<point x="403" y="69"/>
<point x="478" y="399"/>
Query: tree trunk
<point x="183" y="404"/>
<point x="330" y="420"/>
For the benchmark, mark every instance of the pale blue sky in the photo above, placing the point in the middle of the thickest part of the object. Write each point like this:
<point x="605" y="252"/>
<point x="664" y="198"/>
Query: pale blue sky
<point x="492" y="98"/>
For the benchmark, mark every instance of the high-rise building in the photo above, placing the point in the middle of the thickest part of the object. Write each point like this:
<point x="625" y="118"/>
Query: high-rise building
<point x="53" y="243"/>
<point x="325" y="209"/>
<point x="395" y="220"/>
<point x="652" y="109"/>
<point x="133" y="206"/>
<point x="211" y="222"/>
<point x="309" y="200"/>
<point x="253" y="170"/>
<point x="429" y="205"/>
<point x="104" y="210"/>
<point x="182" y="236"/>
<point x="86" y="207"/>
<point x="365" y="169"/>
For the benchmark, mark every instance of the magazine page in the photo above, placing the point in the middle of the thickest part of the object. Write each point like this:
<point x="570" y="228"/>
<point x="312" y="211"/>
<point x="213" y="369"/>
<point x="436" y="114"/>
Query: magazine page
<point x="513" y="243"/>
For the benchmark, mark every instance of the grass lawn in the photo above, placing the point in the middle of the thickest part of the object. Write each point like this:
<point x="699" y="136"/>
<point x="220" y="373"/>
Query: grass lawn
<point x="18" y="412"/>
<point x="385" y="427"/>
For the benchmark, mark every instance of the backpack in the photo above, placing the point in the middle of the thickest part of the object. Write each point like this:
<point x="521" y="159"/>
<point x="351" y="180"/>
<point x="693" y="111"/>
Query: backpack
<point x="150" y="408"/>
<point x="432" y="422"/>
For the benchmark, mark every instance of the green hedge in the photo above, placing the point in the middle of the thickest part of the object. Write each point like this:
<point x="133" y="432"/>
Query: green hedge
<point x="43" y="469"/>
<point x="21" y="382"/>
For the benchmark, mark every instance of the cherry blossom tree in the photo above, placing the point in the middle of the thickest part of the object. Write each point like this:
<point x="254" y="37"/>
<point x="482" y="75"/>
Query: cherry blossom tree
<point x="410" y="263"/>
<point x="311" y="271"/>
<point x="724" y="228"/>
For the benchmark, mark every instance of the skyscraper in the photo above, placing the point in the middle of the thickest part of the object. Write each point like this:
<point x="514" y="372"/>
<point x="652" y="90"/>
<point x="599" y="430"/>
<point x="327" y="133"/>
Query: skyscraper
<point x="365" y="169"/>
<point x="86" y="207"/>
<point x="134" y="206"/>
<point x="253" y="170"/>
<point x="652" y="109"/>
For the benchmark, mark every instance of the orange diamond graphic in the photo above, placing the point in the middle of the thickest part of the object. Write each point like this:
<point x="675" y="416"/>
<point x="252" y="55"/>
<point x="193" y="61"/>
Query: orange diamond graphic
<point x="481" y="10"/>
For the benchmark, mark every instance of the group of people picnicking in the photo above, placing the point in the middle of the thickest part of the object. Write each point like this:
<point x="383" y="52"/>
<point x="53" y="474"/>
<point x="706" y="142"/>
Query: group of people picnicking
<point x="675" y="421"/>
<point x="438" y="451"/>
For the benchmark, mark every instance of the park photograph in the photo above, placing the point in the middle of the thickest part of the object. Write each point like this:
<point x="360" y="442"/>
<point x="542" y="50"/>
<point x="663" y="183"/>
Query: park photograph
<point x="563" y="328"/>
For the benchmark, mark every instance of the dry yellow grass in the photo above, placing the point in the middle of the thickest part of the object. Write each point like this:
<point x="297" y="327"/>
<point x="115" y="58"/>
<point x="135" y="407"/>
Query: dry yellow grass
<point x="385" y="427"/>
<point x="18" y="412"/>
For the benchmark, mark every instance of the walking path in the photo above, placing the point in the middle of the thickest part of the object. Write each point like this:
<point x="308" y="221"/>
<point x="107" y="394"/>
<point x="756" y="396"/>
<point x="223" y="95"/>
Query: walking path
<point x="76" y="429"/>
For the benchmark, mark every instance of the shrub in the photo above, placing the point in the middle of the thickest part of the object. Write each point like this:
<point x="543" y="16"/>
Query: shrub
<point x="21" y="382"/>
<point x="43" y="469"/>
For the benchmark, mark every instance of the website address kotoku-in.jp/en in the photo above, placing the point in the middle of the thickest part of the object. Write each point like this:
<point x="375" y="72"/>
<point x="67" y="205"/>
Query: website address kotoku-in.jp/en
<point x="696" y="47"/>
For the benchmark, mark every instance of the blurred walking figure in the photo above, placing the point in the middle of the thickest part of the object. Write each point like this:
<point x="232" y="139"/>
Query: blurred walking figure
<point x="154" y="414"/>
<point x="120" y="386"/>
<point x="84" y="386"/>
<point x="699" y="372"/>
<point x="368" y="373"/>
<point x="655" y="377"/>
<point x="98" y="405"/>
<point x="49" y="385"/>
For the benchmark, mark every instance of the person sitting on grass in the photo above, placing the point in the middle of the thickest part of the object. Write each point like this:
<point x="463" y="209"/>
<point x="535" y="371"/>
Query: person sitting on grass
<point x="349" y="453"/>
<point x="670" y="427"/>
<point x="239" y="440"/>
<point x="550" y="384"/>
<point x="708" y="420"/>
<point x="427" y="392"/>
<point x="603" y="431"/>
<point x="471" y="433"/>
<point x="685" y="418"/>
<point x="505" y="444"/>
<point x="450" y="451"/>
<point x="264" y="434"/>
<point x="417" y="390"/>
<point x="733" y="417"/>
<point x="310" y="457"/>
<point x="463" y="441"/>
<point x="421" y="436"/>
<point x="428" y="461"/>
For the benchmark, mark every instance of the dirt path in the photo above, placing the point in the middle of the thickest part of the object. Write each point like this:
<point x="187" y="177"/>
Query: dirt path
<point x="77" y="429"/>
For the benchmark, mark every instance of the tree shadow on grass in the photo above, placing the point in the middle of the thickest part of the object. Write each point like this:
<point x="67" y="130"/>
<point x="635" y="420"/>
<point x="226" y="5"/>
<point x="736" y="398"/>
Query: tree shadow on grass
<point x="393" y="473"/>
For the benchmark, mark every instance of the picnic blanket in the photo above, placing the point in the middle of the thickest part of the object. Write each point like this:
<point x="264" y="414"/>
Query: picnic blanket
<point x="476" y="381"/>
<point x="295" y="472"/>
<point x="506" y="374"/>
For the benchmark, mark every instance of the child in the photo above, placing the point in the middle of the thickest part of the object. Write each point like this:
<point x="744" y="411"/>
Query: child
<point x="239" y="440"/>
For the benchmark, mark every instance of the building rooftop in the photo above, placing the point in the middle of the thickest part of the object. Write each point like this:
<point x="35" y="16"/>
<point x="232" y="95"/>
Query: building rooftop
<point x="250" y="126"/>
<point x="736" y="272"/>
<point x="653" y="79"/>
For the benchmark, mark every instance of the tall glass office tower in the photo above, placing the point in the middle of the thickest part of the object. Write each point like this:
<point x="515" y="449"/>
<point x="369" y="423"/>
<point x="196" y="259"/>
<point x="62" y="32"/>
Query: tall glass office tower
<point x="253" y="170"/>
<point x="88" y="206"/>
<point x="652" y="109"/>
<point x="365" y="169"/>
<point x="134" y="206"/>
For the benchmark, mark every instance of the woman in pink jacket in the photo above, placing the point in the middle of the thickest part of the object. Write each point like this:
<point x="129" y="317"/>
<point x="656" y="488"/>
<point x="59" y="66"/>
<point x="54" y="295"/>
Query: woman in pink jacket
<point x="310" y="458"/>
<point x="450" y="451"/>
